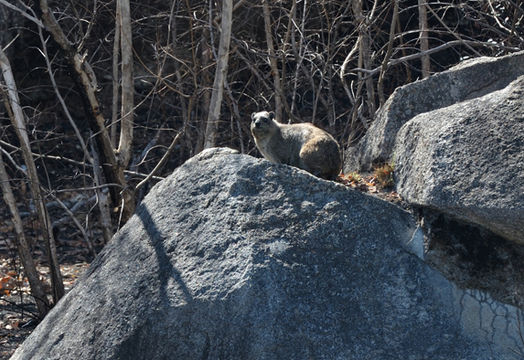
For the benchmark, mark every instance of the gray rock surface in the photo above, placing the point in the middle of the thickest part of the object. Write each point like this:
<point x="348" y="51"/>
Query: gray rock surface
<point x="467" y="160"/>
<point x="233" y="257"/>
<point x="468" y="80"/>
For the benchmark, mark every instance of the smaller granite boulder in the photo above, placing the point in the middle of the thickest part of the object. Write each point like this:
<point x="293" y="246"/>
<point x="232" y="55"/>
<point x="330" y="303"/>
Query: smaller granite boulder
<point x="467" y="160"/>
<point x="468" y="80"/>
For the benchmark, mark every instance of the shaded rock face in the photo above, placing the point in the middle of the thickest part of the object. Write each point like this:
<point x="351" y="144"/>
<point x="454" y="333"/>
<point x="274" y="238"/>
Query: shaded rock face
<point x="467" y="160"/>
<point x="468" y="80"/>
<point x="233" y="257"/>
<point x="474" y="258"/>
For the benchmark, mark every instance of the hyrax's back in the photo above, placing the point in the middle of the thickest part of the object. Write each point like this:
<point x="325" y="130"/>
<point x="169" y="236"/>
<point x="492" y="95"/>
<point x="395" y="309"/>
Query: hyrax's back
<point x="301" y="145"/>
<point x="320" y="154"/>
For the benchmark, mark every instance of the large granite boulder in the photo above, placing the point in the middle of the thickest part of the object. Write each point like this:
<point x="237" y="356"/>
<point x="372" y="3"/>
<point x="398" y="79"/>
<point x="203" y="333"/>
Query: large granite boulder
<point x="233" y="257"/>
<point x="467" y="160"/>
<point x="468" y="80"/>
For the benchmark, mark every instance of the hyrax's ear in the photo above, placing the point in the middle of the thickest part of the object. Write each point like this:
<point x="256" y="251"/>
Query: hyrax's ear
<point x="271" y="115"/>
<point x="253" y="116"/>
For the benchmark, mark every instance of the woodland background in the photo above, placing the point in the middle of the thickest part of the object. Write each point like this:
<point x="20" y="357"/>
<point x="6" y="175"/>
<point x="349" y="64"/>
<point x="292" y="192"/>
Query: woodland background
<point x="101" y="99"/>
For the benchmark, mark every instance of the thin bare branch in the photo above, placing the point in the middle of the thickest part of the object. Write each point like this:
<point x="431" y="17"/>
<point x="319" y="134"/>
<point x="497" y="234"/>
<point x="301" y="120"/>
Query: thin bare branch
<point x="22" y="12"/>
<point x="162" y="161"/>
<point x="371" y="72"/>
<point x="76" y="222"/>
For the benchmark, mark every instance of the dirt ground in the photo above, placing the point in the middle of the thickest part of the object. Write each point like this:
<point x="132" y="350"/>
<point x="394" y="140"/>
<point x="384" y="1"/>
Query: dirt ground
<point x="17" y="308"/>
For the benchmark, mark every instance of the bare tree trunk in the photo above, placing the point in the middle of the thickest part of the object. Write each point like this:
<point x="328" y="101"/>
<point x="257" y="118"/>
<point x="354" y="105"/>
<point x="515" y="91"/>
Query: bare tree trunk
<point x="424" y="44"/>
<point x="128" y="88"/>
<point x="61" y="98"/>
<point x="220" y="74"/>
<point x="236" y="112"/>
<point x="24" y="251"/>
<point x="272" y="60"/>
<point x="364" y="56"/>
<point x="85" y="78"/>
<point x="287" y="40"/>
<point x="380" y="84"/>
<point x="206" y="55"/>
<point x="102" y="199"/>
<point x="116" y="78"/>
<point x="103" y="202"/>
<point x="43" y="216"/>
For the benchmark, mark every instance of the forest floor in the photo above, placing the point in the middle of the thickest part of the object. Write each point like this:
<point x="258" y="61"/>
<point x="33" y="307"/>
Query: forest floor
<point x="17" y="308"/>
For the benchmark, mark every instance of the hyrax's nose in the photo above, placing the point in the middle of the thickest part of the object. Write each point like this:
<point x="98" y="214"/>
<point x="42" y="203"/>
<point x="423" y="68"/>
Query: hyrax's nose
<point x="257" y="123"/>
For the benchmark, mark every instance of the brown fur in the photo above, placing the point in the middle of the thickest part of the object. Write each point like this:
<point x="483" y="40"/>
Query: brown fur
<point x="301" y="145"/>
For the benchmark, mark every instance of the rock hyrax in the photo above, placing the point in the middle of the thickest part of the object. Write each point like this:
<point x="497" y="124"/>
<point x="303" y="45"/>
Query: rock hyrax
<point x="301" y="145"/>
